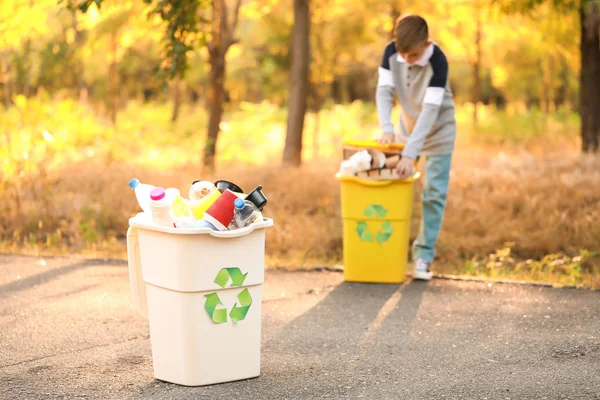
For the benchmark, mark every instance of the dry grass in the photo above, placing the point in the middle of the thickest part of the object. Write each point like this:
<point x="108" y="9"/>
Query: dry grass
<point x="544" y="206"/>
<point x="531" y="189"/>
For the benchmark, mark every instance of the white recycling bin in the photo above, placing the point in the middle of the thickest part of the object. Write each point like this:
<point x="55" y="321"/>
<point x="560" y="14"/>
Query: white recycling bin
<point x="201" y="291"/>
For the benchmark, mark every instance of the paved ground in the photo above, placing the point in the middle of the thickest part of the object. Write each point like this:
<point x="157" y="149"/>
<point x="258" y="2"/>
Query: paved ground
<point x="67" y="330"/>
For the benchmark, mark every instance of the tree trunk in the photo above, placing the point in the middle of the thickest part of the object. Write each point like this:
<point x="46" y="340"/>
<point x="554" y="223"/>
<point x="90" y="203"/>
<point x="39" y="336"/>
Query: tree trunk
<point x="476" y="90"/>
<point x="112" y="79"/>
<point x="79" y="63"/>
<point x="176" y="98"/>
<point x="216" y="52"/>
<point x="6" y="79"/>
<point x="345" y="89"/>
<point x="590" y="76"/>
<point x="27" y="63"/>
<point x="217" y="79"/>
<point x="292" y="154"/>
<point x="560" y="96"/>
<point x="316" y="134"/>
<point x="222" y="38"/>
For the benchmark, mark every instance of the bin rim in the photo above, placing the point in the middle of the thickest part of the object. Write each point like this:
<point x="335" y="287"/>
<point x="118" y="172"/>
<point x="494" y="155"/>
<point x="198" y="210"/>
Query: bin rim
<point x="376" y="183"/>
<point x="144" y="221"/>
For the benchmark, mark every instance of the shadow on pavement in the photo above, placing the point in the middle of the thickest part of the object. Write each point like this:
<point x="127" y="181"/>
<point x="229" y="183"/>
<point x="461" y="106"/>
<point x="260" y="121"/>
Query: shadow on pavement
<point x="351" y="313"/>
<point x="46" y="276"/>
<point x="330" y="339"/>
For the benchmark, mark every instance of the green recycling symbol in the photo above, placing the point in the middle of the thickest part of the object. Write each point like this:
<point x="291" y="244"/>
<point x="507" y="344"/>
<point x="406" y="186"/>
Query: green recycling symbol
<point x="362" y="228"/>
<point x="214" y="306"/>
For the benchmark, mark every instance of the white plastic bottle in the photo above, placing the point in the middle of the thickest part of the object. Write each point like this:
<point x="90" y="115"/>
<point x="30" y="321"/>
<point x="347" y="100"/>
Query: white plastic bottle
<point x="160" y="206"/>
<point x="142" y="193"/>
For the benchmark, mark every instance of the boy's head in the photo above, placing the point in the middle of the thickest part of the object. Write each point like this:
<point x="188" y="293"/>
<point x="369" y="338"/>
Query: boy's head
<point x="411" y="37"/>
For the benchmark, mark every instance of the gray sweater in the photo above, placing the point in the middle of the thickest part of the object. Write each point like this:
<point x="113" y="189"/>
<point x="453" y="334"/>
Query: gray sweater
<point x="427" y="123"/>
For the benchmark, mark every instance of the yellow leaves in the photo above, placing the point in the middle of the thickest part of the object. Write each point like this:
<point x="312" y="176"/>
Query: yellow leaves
<point x="70" y="36"/>
<point x="234" y="51"/>
<point x="257" y="9"/>
<point x="21" y="21"/>
<point x="126" y="40"/>
<point x="332" y="10"/>
<point x="20" y="102"/>
<point x="47" y="136"/>
<point x="93" y="14"/>
<point x="388" y="25"/>
<point x="499" y="77"/>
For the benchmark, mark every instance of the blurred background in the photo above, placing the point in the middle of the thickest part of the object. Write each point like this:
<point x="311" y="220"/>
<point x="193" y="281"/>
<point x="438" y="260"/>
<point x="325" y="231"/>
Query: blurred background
<point x="95" y="92"/>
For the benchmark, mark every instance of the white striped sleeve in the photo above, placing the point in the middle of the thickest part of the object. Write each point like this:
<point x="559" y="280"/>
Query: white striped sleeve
<point x="433" y="95"/>
<point x="385" y="77"/>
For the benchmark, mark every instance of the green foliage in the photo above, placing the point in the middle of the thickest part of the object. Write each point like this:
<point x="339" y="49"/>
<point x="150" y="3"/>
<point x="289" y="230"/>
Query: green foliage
<point x="183" y="21"/>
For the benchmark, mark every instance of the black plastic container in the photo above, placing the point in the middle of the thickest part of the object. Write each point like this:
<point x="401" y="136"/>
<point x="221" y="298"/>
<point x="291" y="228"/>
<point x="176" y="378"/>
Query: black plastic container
<point x="224" y="185"/>
<point x="257" y="197"/>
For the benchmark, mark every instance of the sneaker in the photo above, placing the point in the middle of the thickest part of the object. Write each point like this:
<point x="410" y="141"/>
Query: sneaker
<point x="422" y="270"/>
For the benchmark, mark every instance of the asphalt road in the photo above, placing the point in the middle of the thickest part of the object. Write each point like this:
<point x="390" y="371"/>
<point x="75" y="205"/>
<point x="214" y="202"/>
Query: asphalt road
<point x="67" y="331"/>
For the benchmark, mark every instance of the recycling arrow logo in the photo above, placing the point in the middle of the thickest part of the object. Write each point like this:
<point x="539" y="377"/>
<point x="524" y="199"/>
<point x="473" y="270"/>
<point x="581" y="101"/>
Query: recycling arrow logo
<point x="384" y="233"/>
<point x="228" y="277"/>
<point x="375" y="210"/>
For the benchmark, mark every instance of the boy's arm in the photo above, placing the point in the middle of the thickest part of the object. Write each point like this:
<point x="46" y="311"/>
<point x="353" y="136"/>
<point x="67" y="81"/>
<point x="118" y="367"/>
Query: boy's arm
<point x="434" y="95"/>
<point x="384" y="95"/>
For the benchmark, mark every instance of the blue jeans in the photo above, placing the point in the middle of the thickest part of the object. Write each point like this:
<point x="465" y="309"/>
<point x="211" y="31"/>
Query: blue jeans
<point x="437" y="174"/>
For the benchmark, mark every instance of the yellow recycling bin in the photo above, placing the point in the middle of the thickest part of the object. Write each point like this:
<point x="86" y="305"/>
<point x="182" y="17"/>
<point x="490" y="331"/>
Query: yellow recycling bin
<point x="376" y="227"/>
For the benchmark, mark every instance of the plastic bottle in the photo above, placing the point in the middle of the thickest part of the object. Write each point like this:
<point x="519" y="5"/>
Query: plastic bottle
<point x="160" y="205"/>
<point x="244" y="214"/>
<point x="172" y="194"/>
<point x="142" y="194"/>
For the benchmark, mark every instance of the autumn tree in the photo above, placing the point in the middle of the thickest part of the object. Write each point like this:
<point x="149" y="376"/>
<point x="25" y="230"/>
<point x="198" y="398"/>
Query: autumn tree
<point x="222" y="37"/>
<point x="184" y="21"/>
<point x="589" y="45"/>
<point x="292" y="153"/>
<point x="21" y="24"/>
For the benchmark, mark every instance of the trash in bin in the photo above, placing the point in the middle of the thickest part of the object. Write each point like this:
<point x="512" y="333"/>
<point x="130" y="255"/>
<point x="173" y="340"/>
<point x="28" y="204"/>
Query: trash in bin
<point x="244" y="214"/>
<point x="199" y="287"/>
<point x="201" y="189"/>
<point x="209" y="205"/>
<point x="370" y="160"/>
<point x="220" y="213"/>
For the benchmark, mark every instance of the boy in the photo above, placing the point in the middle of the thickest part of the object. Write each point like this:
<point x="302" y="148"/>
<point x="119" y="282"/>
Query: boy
<point x="417" y="70"/>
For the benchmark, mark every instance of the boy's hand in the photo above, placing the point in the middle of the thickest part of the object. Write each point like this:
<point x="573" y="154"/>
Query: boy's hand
<point x="386" y="139"/>
<point x="405" y="168"/>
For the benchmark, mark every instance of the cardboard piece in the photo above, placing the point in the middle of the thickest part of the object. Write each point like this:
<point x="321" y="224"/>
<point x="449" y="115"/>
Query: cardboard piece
<point x="388" y="172"/>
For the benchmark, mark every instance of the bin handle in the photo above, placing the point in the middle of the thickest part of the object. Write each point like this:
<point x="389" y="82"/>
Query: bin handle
<point x="136" y="283"/>
<point x="376" y="183"/>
